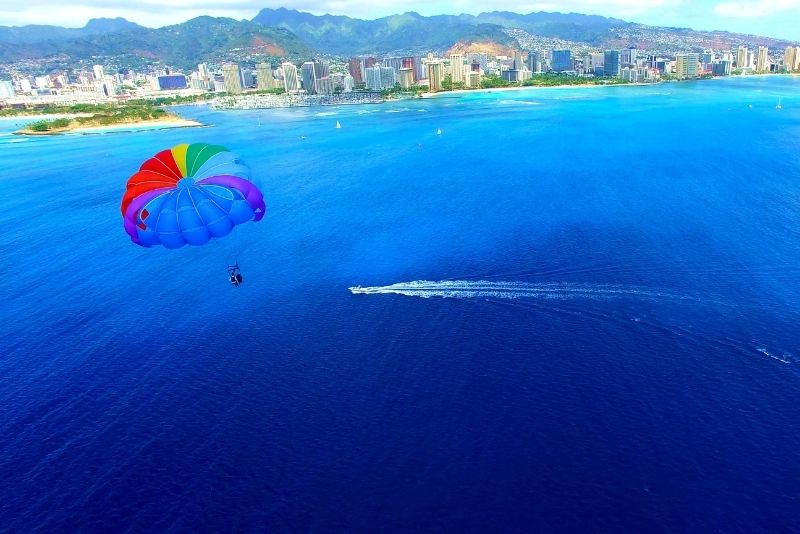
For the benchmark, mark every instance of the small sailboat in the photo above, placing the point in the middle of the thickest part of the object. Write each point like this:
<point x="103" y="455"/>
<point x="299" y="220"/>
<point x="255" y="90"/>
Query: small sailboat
<point x="779" y="106"/>
<point x="439" y="131"/>
<point x="338" y="126"/>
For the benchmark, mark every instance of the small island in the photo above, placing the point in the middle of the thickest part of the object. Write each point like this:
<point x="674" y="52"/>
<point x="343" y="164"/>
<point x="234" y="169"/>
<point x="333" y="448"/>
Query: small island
<point x="88" y="118"/>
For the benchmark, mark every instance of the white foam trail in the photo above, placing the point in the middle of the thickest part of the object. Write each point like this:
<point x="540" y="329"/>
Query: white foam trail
<point x="521" y="102"/>
<point x="786" y="357"/>
<point x="470" y="289"/>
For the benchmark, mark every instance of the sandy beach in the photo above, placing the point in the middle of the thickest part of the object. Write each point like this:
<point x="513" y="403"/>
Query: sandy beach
<point x="159" y="124"/>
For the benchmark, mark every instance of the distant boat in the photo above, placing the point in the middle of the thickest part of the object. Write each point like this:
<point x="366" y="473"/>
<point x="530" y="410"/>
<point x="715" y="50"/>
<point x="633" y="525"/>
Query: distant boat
<point x="779" y="106"/>
<point x="439" y="131"/>
<point x="338" y="125"/>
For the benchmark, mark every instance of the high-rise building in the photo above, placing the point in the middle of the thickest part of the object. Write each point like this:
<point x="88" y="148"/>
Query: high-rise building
<point x="410" y="63"/>
<point x="372" y="77"/>
<point x="233" y="78"/>
<point x="762" y="60"/>
<point x="325" y="85"/>
<point x="629" y="74"/>
<point x="687" y="65"/>
<point x="435" y="75"/>
<point x="481" y="59"/>
<point x="217" y="84"/>
<point x="535" y="63"/>
<point x="354" y="68"/>
<point x="420" y="70"/>
<point x="611" y="66"/>
<point x="99" y="74"/>
<point x="790" y="58"/>
<point x="742" y="60"/>
<point x="586" y="62"/>
<point x="457" y="68"/>
<point x="511" y="75"/>
<point x="388" y="75"/>
<point x="6" y="89"/>
<point x="628" y="57"/>
<point x="517" y="63"/>
<point x="562" y="60"/>
<point x="172" y="82"/>
<point x="321" y="69"/>
<point x="248" y="78"/>
<point x="309" y="77"/>
<point x="349" y="83"/>
<point x="203" y="76"/>
<point x="380" y="77"/>
<point x="109" y="85"/>
<point x="290" y="79"/>
<point x="406" y="78"/>
<point x="395" y="63"/>
<point x="264" y="79"/>
<point x="721" y="68"/>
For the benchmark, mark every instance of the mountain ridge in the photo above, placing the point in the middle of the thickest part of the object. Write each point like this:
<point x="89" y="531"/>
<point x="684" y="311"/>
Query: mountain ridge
<point x="293" y="34"/>
<point x="180" y="45"/>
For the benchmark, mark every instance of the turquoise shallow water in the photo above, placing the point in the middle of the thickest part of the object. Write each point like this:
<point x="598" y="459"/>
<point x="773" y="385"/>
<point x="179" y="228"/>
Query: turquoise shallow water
<point x="606" y="335"/>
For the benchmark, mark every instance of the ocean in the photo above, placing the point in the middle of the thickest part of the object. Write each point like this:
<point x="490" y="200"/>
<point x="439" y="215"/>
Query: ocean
<point x="578" y="311"/>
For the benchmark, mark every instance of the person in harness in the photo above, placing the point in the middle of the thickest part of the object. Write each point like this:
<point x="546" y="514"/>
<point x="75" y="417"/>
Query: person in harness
<point x="235" y="275"/>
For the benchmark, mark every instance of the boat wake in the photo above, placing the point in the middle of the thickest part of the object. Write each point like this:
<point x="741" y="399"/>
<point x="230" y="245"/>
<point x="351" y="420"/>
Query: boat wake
<point x="572" y="300"/>
<point x="520" y="102"/>
<point x="485" y="289"/>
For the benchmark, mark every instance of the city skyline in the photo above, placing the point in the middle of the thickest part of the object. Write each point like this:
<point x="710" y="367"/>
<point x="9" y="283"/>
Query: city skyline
<point x="772" y="18"/>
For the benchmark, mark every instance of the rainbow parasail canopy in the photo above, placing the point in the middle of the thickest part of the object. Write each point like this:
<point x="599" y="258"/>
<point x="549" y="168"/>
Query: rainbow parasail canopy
<point x="188" y="194"/>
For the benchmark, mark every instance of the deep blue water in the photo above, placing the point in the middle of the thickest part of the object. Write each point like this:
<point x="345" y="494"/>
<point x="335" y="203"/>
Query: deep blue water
<point x="619" y="349"/>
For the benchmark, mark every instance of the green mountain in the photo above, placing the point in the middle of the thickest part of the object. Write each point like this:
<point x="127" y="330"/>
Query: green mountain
<point x="569" y="26"/>
<point x="413" y="32"/>
<point x="181" y="45"/>
<point x="35" y="33"/>
<point x="285" y="33"/>
<point x="397" y="33"/>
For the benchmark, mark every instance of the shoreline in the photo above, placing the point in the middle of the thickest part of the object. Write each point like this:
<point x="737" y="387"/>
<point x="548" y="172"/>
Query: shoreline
<point x="158" y="124"/>
<point x="527" y="87"/>
<point x="440" y="94"/>
<point x="44" y="116"/>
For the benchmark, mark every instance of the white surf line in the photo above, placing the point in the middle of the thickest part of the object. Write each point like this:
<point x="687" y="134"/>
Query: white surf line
<point x="512" y="290"/>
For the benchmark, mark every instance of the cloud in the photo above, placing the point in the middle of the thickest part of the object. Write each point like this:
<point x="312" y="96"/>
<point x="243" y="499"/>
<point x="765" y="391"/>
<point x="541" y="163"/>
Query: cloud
<point x="155" y="13"/>
<point x="757" y="8"/>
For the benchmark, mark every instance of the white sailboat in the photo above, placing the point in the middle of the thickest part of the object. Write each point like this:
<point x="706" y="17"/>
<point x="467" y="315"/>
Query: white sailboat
<point x="439" y="131"/>
<point x="779" y="106"/>
<point x="338" y="126"/>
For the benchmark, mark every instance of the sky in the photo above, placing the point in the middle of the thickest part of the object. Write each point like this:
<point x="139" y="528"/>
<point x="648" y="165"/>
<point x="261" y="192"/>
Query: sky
<point x="772" y="18"/>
